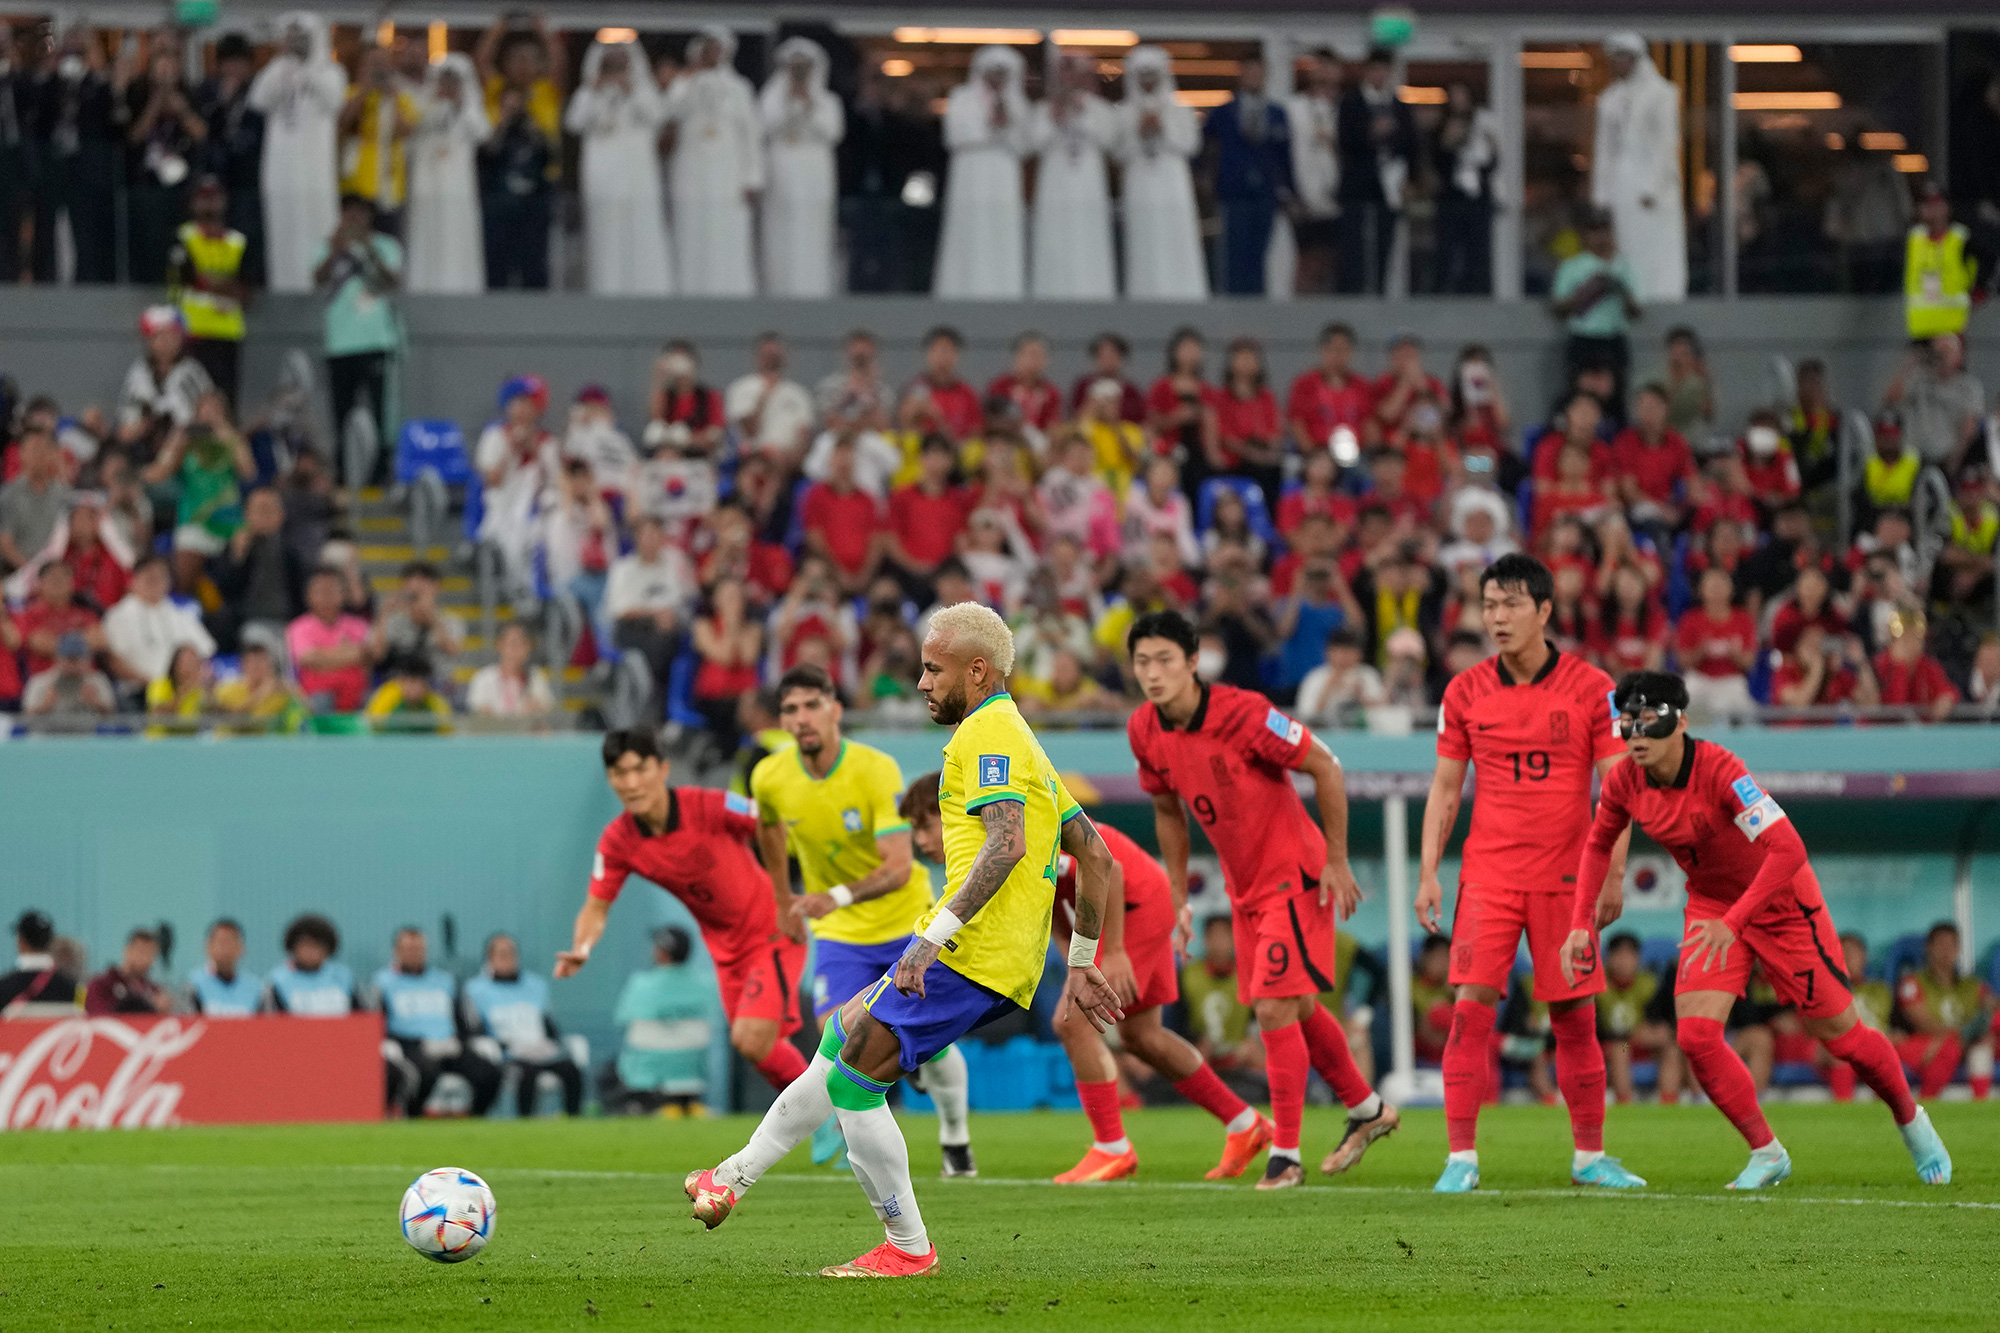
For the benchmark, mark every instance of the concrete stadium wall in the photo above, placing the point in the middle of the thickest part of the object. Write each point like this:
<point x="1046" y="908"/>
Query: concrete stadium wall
<point x="77" y="342"/>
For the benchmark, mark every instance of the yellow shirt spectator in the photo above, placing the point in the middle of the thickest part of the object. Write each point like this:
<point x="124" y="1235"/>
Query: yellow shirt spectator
<point x="372" y="158"/>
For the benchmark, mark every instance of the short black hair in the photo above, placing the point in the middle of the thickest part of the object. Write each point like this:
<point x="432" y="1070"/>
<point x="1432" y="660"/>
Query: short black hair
<point x="144" y="562"/>
<point x="403" y="930"/>
<point x="1347" y="636"/>
<point x="34" y="930"/>
<point x="1337" y="329"/>
<point x="146" y="933"/>
<point x="225" y="923"/>
<point x="312" y="926"/>
<point x="950" y="567"/>
<point x="1624" y="939"/>
<point x="806" y="676"/>
<point x="921" y="798"/>
<point x="348" y="201"/>
<point x="1519" y="570"/>
<point x="420" y="569"/>
<point x="673" y="942"/>
<point x="1435" y="940"/>
<point x="234" y="46"/>
<point x="946" y="332"/>
<point x="1169" y="625"/>
<point x="408" y="662"/>
<point x="1026" y="336"/>
<point x="1941" y="928"/>
<point x="1659" y="687"/>
<point x="641" y="741"/>
<point x="1115" y="339"/>
<point x="1465" y="638"/>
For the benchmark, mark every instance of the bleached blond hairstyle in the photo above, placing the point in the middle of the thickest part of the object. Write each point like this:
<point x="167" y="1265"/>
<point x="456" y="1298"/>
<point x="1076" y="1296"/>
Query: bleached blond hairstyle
<point x="973" y="631"/>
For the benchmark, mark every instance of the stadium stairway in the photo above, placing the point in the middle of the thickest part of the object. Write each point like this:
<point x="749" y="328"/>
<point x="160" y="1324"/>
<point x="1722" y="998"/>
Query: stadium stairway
<point x="383" y="542"/>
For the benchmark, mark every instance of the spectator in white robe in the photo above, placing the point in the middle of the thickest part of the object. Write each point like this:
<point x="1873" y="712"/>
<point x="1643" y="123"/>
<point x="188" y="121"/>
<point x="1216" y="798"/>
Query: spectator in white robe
<point x="1636" y="171"/>
<point x="717" y="169"/>
<point x="803" y="124"/>
<point x="982" y="252"/>
<point x="447" y="245"/>
<point x="300" y="94"/>
<point x="616" y="110"/>
<point x="1071" y="132"/>
<point x="1157" y="136"/>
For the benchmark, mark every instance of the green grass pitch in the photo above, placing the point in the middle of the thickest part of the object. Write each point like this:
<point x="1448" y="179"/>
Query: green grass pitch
<point x="295" y="1229"/>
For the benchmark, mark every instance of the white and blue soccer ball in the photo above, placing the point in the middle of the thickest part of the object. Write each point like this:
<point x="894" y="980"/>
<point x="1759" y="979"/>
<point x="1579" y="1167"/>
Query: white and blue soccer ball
<point x="448" y="1215"/>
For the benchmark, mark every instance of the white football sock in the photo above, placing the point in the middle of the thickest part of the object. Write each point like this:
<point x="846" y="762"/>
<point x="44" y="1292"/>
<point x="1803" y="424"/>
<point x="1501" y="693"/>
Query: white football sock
<point x="1115" y="1149"/>
<point x="1244" y="1119"/>
<point x="1463" y="1155"/>
<point x="1288" y="1154"/>
<point x="1769" y="1152"/>
<point x="1581" y="1158"/>
<point x="1367" y="1110"/>
<point x="946" y="1081"/>
<point x="881" y="1159"/>
<point x="800" y="1109"/>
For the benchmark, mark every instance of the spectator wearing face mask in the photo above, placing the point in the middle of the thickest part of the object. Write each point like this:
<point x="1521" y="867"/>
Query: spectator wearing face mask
<point x="1768" y="462"/>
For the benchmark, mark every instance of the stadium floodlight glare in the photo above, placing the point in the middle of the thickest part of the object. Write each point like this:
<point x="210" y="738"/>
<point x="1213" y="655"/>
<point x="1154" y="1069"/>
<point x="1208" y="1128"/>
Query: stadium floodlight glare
<point x="1202" y="98"/>
<point x="1094" y="37"/>
<point x="616" y="36"/>
<point x="898" y="68"/>
<point x="969" y="36"/>
<point x="1884" y="141"/>
<point x="1555" y="60"/>
<point x="1420" y="96"/>
<point x="1776" y="53"/>
<point x="1916" y="164"/>
<point x="1814" y="100"/>
<point x="437" y="41"/>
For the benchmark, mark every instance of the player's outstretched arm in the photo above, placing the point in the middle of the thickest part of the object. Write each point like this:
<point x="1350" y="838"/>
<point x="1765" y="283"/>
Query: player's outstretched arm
<point x="1440" y="815"/>
<point x="588" y="931"/>
<point x="1170" y="827"/>
<point x="1336" y="883"/>
<point x="1611" y="896"/>
<point x="1085" y="988"/>
<point x="1006" y="843"/>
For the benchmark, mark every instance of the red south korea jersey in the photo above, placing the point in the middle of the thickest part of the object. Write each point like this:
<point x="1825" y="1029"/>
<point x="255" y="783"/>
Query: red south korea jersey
<point x="703" y="857"/>
<point x="1713" y="818"/>
<point x="1232" y="765"/>
<point x="1533" y="747"/>
<point x="1149" y="898"/>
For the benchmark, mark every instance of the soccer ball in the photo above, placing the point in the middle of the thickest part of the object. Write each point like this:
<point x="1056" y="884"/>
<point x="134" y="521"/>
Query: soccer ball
<point x="448" y="1215"/>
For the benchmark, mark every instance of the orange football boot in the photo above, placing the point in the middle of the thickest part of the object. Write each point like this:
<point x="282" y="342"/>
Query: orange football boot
<point x="712" y="1202"/>
<point x="1100" y="1165"/>
<point x="885" y="1260"/>
<point x="1240" y="1149"/>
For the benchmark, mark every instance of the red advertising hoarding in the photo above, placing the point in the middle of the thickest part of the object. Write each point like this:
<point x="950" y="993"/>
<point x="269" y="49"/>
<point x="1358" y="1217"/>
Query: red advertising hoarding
<point x="131" y="1071"/>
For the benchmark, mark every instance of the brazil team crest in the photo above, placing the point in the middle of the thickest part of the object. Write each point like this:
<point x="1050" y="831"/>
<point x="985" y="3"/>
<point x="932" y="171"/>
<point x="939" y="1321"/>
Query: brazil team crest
<point x="850" y="819"/>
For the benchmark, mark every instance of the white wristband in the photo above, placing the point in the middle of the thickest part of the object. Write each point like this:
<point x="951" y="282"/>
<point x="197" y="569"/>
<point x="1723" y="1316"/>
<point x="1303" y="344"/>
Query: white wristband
<point x="1082" y="951"/>
<point x="842" y="895"/>
<point x="942" y="927"/>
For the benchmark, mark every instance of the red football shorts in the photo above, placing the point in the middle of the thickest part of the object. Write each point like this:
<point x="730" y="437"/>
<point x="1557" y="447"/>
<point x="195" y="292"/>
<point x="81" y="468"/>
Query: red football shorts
<point x="1486" y="929"/>
<point x="1794" y="940"/>
<point x="764" y="983"/>
<point x="1151" y="953"/>
<point x="1284" y="946"/>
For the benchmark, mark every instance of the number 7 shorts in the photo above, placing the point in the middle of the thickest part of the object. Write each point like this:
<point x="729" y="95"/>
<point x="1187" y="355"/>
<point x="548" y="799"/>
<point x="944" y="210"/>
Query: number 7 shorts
<point x="1795" y="940"/>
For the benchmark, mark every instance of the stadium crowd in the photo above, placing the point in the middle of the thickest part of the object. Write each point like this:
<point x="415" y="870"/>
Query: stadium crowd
<point x="493" y="1029"/>
<point x="1326" y="531"/>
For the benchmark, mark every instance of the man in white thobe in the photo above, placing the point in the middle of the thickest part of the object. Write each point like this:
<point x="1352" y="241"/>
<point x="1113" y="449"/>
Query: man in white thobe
<point x="1157" y="136"/>
<point x="300" y="94"/>
<point x="717" y="169"/>
<point x="803" y="124"/>
<point x="616" y="111"/>
<point x="982" y="253"/>
<point x="1071" y="132"/>
<point x="1314" y="113"/>
<point x="447" y="247"/>
<point x="1636" y="169"/>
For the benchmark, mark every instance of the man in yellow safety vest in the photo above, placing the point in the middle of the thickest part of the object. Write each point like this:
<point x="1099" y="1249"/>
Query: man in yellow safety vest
<point x="205" y="275"/>
<point x="1939" y="277"/>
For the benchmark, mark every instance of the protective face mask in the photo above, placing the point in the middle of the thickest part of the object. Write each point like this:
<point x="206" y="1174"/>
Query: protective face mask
<point x="1208" y="663"/>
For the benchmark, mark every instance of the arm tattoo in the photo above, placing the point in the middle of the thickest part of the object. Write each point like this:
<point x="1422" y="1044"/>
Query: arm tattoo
<point x="1006" y="842"/>
<point x="1080" y="840"/>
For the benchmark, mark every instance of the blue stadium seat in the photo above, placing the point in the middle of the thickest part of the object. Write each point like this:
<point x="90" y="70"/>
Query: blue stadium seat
<point x="1905" y="954"/>
<point x="680" y="689"/>
<point x="1993" y="969"/>
<point x="795" y="531"/>
<point x="1254" y="508"/>
<point x="1661" y="951"/>
<point x="475" y="505"/>
<point x="1680" y="592"/>
<point x="433" y="446"/>
<point x="1759" y="677"/>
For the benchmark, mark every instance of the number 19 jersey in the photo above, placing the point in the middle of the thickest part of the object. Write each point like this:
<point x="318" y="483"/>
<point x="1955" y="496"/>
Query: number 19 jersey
<point x="1533" y="746"/>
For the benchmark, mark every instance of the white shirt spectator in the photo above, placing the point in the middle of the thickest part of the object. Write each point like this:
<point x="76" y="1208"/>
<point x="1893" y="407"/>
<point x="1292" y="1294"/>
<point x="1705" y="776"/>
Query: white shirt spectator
<point x="785" y="417"/>
<point x="1322" y="696"/>
<point x="876" y="461"/>
<point x="493" y="693"/>
<point x="172" y="396"/>
<point x="607" y="449"/>
<point x="636" y="585"/>
<point x="145" y="633"/>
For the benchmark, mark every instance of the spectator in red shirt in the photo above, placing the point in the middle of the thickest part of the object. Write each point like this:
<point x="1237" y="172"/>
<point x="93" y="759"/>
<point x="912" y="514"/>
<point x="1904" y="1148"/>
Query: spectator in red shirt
<point x="1581" y="423"/>
<point x="731" y="644"/>
<point x="1717" y="644"/>
<point x="956" y="402"/>
<point x="926" y="518"/>
<point x="10" y="662"/>
<point x="1405" y="381"/>
<point x="1821" y="670"/>
<point x="1246" y="421"/>
<point x="1425" y="449"/>
<point x="1571" y="491"/>
<point x="1768" y="465"/>
<point x="1171" y="576"/>
<point x="843" y="522"/>
<point x="687" y="415"/>
<point x="1721" y="547"/>
<point x="1331" y="396"/>
<point x="1723" y="493"/>
<point x="1027" y="382"/>
<point x="1909" y="675"/>
<point x="1108" y="354"/>
<point x="763" y="568"/>
<point x="1652" y="464"/>
<point x="1181" y="412"/>
<point x="100" y="577"/>
<point x="54" y="612"/>
<point x="1811" y="603"/>
<point x="1631" y="632"/>
<point x="1316" y="494"/>
<point x="129" y="988"/>
<point x="1388" y="474"/>
<point x="1477" y="405"/>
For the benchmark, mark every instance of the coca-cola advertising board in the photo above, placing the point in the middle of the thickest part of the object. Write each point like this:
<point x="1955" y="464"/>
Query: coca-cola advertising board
<point x="133" y="1072"/>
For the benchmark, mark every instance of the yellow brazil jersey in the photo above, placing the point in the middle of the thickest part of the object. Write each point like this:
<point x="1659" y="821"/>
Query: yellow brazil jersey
<point x="993" y="756"/>
<point x="831" y="825"/>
